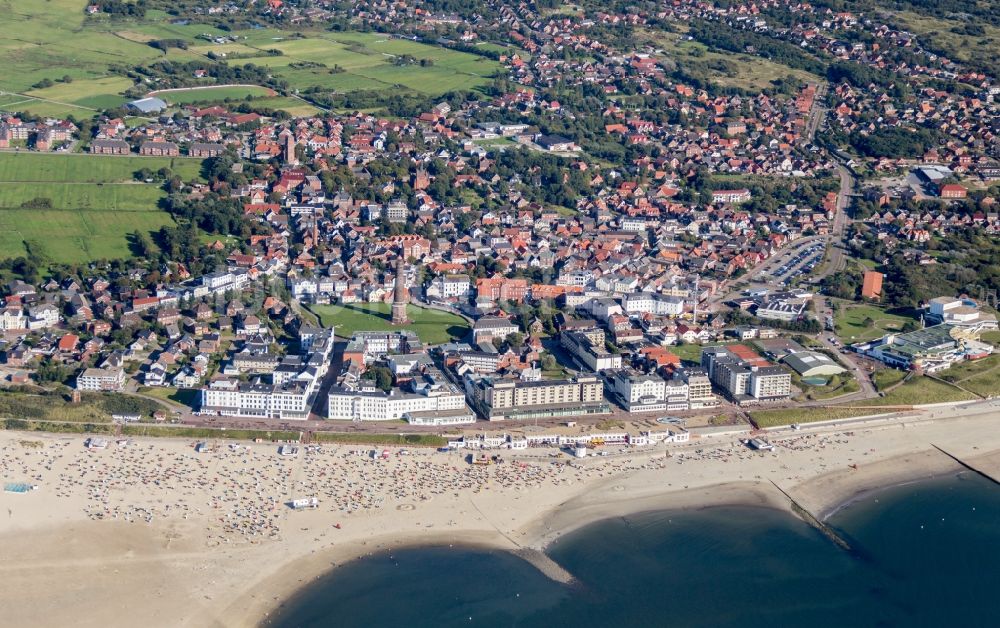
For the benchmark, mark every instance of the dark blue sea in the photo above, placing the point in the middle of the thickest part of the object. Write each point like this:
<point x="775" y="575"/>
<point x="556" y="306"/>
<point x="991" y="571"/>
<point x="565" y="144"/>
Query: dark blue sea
<point x="923" y="554"/>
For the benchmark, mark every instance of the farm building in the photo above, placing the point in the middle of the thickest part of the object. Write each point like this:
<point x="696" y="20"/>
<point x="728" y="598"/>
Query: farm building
<point x="147" y="105"/>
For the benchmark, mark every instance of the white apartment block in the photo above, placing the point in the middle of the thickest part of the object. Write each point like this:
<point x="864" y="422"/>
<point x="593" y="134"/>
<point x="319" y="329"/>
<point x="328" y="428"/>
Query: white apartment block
<point x="638" y="392"/>
<point x="101" y="380"/>
<point x="649" y="303"/>
<point x="449" y="286"/>
<point x="376" y="405"/>
<point x="12" y="318"/>
<point x="291" y="400"/>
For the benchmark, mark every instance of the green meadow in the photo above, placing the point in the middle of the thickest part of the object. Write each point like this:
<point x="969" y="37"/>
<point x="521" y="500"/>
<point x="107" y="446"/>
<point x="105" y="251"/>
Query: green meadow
<point x="63" y="168"/>
<point x="91" y="204"/>
<point x="432" y="326"/>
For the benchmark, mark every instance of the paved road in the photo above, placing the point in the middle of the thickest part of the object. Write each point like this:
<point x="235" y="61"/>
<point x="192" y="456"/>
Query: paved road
<point x="837" y="259"/>
<point x="817" y="115"/>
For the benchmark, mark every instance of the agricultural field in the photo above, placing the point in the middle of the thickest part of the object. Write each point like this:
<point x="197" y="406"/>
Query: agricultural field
<point x="293" y="106"/>
<point x="93" y="204"/>
<point x="98" y="93"/>
<point x="48" y="40"/>
<point x="850" y="322"/>
<point x="74" y="237"/>
<point x="432" y="326"/>
<point x="213" y="94"/>
<point x="52" y="167"/>
<point x="54" y="39"/>
<point x="365" y="61"/>
<point x="102" y="196"/>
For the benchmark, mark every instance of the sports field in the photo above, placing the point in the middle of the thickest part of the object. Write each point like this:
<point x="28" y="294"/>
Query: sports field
<point x="850" y="322"/>
<point x="92" y="204"/>
<point x="432" y="326"/>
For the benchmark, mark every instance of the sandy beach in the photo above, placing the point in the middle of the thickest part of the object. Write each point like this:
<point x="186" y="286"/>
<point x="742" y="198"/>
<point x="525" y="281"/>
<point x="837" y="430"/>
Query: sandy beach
<point x="152" y="533"/>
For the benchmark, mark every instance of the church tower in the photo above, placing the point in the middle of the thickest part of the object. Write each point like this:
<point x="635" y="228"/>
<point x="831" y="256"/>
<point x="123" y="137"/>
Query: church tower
<point x="400" y="297"/>
<point x="288" y="149"/>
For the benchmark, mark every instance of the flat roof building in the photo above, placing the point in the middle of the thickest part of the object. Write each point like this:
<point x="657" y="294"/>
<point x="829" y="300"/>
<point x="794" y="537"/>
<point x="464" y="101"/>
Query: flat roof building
<point x="813" y="364"/>
<point x="147" y="105"/>
<point x="499" y="399"/>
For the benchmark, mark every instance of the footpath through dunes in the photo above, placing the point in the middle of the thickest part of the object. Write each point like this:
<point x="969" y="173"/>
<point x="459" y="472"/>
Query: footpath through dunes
<point x="76" y="208"/>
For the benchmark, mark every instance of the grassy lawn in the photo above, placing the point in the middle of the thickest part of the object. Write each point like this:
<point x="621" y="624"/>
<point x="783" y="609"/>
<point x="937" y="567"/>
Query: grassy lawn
<point x="992" y="337"/>
<point x="168" y="431"/>
<point x="432" y="326"/>
<point x="850" y="318"/>
<point x="691" y="352"/>
<point x="979" y="376"/>
<point x="886" y="377"/>
<point x="919" y="390"/>
<point x="687" y="352"/>
<point x="787" y="416"/>
<point x="184" y="396"/>
<point x="837" y="385"/>
<point x="414" y="440"/>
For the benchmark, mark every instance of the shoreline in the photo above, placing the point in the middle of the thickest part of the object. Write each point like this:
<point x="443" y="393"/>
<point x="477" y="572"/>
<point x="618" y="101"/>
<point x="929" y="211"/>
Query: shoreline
<point x="575" y="515"/>
<point x="181" y="572"/>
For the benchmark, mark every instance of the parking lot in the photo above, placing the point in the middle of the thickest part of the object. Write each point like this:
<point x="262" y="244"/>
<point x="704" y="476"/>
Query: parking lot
<point x="798" y="264"/>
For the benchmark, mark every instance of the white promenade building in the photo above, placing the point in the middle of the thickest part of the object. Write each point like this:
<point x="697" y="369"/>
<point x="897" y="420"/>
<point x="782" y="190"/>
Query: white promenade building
<point x="101" y="380"/>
